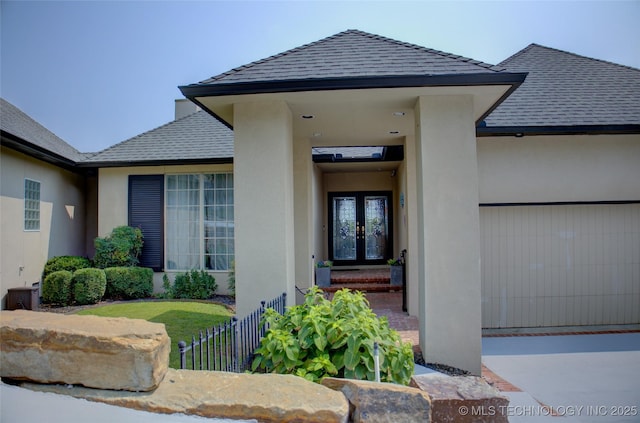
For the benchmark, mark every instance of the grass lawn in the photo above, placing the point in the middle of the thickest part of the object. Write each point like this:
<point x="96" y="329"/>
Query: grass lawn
<point x="181" y="318"/>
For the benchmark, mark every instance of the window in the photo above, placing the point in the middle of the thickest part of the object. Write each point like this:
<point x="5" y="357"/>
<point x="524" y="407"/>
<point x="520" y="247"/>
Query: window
<point x="199" y="221"/>
<point x="31" y="205"/>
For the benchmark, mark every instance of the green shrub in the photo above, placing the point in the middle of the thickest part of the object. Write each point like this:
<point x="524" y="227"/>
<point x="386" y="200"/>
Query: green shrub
<point x="197" y="285"/>
<point x="127" y="283"/>
<point x="70" y="263"/>
<point x="121" y="248"/>
<point x="89" y="285"/>
<point x="56" y="288"/>
<point x="333" y="338"/>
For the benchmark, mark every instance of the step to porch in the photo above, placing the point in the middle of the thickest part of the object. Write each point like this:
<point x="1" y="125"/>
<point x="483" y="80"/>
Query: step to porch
<point x="365" y="280"/>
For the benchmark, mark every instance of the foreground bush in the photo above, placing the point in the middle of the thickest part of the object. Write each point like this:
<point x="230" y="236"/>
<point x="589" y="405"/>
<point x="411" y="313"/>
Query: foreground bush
<point x="333" y="338"/>
<point x="56" y="288"/>
<point x="128" y="283"/>
<point x="70" y="263"/>
<point x="89" y="285"/>
<point x="120" y="248"/>
<point x="197" y="285"/>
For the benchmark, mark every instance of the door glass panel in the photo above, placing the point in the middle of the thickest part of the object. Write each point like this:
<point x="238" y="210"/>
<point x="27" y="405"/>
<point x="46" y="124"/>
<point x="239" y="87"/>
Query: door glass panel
<point x="344" y="228"/>
<point x="376" y="227"/>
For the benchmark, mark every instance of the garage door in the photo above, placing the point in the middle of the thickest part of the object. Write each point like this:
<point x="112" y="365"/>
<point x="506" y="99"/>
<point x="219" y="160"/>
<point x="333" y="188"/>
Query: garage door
<point x="558" y="265"/>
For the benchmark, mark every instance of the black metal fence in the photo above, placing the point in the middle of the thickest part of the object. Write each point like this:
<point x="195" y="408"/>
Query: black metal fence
<point x="228" y="346"/>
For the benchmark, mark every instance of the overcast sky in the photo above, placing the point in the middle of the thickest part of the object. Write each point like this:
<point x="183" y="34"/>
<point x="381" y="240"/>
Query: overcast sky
<point x="97" y="73"/>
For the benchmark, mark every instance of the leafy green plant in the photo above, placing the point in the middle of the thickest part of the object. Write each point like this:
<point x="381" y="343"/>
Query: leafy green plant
<point x="88" y="285"/>
<point x="56" y="288"/>
<point x="324" y="263"/>
<point x="70" y="263"/>
<point x="196" y="284"/>
<point x="128" y="283"/>
<point x="120" y="248"/>
<point x="323" y="338"/>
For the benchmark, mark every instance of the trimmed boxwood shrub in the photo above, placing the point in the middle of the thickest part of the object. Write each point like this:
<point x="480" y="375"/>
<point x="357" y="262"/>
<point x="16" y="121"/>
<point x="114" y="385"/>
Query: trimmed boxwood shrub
<point x="89" y="285"/>
<point x="56" y="288"/>
<point x="70" y="263"/>
<point x="127" y="283"/>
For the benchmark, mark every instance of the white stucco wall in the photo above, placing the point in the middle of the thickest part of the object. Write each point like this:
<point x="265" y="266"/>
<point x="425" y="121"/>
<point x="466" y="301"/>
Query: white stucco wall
<point x="62" y="218"/>
<point x="559" y="168"/>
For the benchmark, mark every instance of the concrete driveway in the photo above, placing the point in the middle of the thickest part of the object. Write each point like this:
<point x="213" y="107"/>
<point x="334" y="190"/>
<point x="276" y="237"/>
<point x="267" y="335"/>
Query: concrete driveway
<point x="580" y="378"/>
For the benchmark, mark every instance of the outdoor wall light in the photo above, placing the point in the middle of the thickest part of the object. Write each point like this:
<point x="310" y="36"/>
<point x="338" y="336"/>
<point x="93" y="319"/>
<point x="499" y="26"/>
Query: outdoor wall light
<point x="519" y="135"/>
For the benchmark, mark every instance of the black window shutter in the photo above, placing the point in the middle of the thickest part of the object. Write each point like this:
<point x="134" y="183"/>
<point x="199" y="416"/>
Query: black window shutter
<point x="146" y="211"/>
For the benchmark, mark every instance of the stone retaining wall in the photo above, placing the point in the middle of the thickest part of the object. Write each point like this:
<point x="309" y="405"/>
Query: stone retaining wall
<point x="108" y="360"/>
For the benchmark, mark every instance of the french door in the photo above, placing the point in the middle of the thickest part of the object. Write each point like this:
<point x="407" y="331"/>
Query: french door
<point x="360" y="227"/>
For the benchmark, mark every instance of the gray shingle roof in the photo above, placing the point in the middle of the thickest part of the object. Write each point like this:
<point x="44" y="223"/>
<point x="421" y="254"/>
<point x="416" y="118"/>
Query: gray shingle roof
<point x="352" y="53"/>
<point x="565" y="89"/>
<point x="198" y="136"/>
<point x="17" y="123"/>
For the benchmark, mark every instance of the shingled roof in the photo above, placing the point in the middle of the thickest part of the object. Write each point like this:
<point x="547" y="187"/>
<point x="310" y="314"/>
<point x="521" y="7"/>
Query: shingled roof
<point x="566" y="92"/>
<point x="196" y="138"/>
<point x="352" y="53"/>
<point x="22" y="133"/>
<point x="350" y="59"/>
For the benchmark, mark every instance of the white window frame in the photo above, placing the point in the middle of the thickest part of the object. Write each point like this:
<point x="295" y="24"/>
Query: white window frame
<point x="29" y="208"/>
<point x="201" y="224"/>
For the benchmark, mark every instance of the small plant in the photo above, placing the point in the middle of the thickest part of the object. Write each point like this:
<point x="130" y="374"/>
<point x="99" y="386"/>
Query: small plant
<point x="56" y="288"/>
<point x="121" y="248"/>
<point x="127" y="283"/>
<point x="332" y="338"/>
<point x="197" y="285"/>
<point x="394" y="262"/>
<point x="324" y="263"/>
<point x="88" y="285"/>
<point x="70" y="263"/>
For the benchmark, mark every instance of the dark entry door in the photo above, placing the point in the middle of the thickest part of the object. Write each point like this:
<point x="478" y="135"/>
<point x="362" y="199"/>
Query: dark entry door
<point x="360" y="227"/>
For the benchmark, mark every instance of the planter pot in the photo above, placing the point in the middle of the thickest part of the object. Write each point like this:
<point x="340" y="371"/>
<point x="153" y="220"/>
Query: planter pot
<point x="323" y="277"/>
<point x="396" y="275"/>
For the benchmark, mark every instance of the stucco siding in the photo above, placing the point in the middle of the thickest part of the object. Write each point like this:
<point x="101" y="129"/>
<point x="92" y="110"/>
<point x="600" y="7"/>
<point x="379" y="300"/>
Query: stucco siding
<point x="559" y="168"/>
<point x="560" y="265"/>
<point x="62" y="218"/>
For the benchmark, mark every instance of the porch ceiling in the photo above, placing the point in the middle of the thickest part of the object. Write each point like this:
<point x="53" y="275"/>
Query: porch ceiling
<point x="356" y="117"/>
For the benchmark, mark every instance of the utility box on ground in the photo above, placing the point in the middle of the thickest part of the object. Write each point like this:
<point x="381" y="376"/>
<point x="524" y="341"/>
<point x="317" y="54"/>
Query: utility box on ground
<point x="23" y="298"/>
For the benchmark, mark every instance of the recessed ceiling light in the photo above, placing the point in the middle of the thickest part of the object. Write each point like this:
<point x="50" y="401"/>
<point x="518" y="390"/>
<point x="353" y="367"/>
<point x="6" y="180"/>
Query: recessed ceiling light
<point x="399" y="113"/>
<point x="306" y="116"/>
<point x="394" y="132"/>
<point x="317" y="134"/>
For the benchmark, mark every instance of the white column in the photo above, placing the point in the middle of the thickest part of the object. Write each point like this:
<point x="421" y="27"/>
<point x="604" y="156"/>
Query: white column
<point x="448" y="227"/>
<point x="263" y="194"/>
<point x="303" y="214"/>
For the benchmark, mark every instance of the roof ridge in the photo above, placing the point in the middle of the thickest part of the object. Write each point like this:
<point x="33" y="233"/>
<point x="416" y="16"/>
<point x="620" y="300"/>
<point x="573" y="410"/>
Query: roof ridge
<point x="357" y="32"/>
<point x="532" y="45"/>
<point x="141" y="134"/>
<point x="426" y="49"/>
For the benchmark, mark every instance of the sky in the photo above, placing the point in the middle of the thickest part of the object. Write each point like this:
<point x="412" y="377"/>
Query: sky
<point x="97" y="73"/>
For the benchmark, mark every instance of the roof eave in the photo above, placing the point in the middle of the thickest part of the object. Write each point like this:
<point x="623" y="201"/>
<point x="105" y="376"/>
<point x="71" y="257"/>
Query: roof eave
<point x="136" y="163"/>
<point x="519" y="131"/>
<point x="364" y="82"/>
<point x="18" y="144"/>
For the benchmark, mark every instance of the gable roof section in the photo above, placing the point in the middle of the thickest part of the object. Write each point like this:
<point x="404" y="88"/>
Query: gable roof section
<point x="567" y="93"/>
<point x="350" y="59"/>
<point x="21" y="133"/>
<point x="196" y="138"/>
